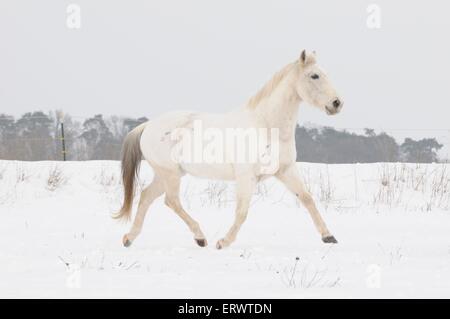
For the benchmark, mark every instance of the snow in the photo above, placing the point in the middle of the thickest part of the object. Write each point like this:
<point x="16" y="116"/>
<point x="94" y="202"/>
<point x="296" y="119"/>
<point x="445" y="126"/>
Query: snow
<point x="392" y="222"/>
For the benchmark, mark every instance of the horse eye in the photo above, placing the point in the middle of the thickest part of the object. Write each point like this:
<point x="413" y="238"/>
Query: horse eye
<point x="314" y="76"/>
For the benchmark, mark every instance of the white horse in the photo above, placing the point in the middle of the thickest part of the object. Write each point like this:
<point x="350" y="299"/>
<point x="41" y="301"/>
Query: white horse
<point x="275" y="106"/>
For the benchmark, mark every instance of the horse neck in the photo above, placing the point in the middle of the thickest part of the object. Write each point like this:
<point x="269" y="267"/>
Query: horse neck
<point x="280" y="109"/>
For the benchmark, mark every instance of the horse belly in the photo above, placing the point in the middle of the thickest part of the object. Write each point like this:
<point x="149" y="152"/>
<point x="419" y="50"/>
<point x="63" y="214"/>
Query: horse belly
<point x="221" y="171"/>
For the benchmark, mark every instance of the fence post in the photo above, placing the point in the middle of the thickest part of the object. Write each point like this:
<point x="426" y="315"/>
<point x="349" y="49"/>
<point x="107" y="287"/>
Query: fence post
<point x="63" y="141"/>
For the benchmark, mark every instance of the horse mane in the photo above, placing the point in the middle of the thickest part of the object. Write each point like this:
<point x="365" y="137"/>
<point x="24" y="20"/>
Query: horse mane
<point x="270" y="86"/>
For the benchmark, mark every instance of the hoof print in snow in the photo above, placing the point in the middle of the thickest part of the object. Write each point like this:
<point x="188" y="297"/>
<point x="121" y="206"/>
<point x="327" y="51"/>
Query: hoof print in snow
<point x="201" y="242"/>
<point x="329" y="240"/>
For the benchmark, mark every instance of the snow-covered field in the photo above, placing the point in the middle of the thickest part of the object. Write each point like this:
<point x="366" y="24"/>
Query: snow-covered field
<point x="392" y="222"/>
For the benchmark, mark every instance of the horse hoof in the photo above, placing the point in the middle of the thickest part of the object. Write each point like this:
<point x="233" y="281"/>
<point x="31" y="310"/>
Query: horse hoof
<point x="201" y="242"/>
<point x="220" y="244"/>
<point x="126" y="242"/>
<point x="329" y="240"/>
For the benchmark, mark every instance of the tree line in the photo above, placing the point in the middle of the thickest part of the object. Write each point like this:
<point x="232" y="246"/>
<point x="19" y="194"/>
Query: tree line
<point x="328" y="145"/>
<point x="37" y="136"/>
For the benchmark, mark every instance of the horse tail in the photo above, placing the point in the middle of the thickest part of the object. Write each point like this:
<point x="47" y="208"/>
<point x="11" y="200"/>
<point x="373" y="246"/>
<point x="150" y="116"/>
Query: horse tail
<point x="131" y="161"/>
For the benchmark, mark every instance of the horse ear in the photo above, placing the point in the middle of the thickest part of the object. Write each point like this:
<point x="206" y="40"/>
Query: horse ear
<point x="303" y="57"/>
<point x="307" y="58"/>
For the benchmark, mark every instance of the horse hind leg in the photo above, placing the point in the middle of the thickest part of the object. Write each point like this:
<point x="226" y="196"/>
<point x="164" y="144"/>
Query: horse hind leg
<point x="173" y="202"/>
<point x="172" y="188"/>
<point x="148" y="195"/>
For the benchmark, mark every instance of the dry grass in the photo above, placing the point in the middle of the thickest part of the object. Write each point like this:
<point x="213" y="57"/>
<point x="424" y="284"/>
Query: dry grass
<point x="404" y="185"/>
<point x="21" y="174"/>
<point x="108" y="179"/>
<point x="309" y="275"/>
<point x="215" y="195"/>
<point x="2" y="172"/>
<point x="55" y="178"/>
<point x="326" y="190"/>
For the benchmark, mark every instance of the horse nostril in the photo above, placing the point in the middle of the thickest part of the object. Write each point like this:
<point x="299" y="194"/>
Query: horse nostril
<point x="336" y="103"/>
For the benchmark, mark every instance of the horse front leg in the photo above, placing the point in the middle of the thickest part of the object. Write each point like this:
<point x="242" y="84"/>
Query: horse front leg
<point x="244" y="191"/>
<point x="290" y="177"/>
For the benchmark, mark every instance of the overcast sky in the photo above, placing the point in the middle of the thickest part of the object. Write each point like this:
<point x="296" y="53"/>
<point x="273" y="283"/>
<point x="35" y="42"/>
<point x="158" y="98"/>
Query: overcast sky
<point x="142" y="58"/>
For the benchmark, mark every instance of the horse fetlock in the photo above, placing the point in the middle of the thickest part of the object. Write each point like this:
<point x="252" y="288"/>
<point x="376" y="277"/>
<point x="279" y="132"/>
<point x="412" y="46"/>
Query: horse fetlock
<point x="195" y="228"/>
<point x="223" y="243"/>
